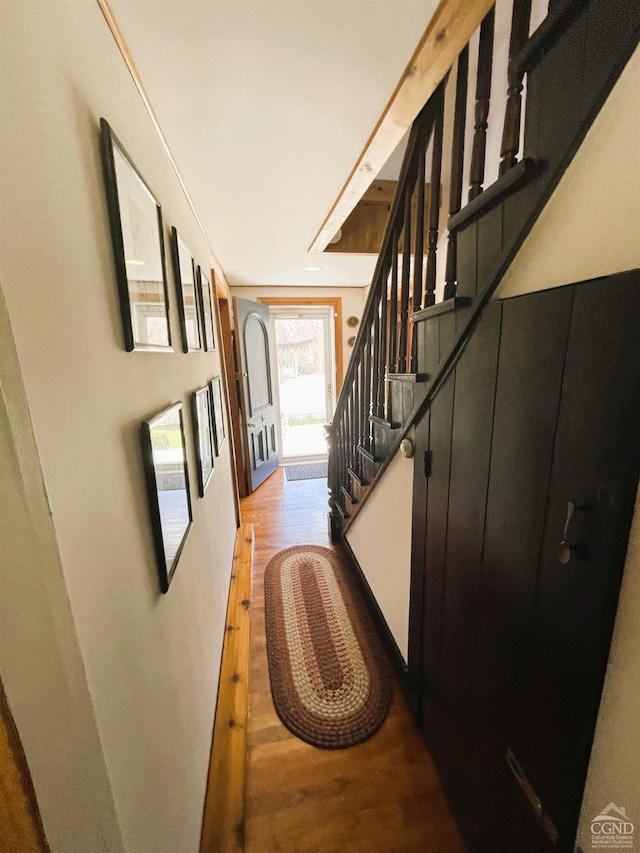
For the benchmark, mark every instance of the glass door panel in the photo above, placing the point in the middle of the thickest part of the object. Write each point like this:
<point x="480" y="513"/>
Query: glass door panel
<point x="305" y="381"/>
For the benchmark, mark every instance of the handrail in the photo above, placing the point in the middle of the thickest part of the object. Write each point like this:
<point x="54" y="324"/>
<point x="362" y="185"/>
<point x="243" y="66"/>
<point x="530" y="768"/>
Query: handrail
<point x="371" y="415"/>
<point x="378" y="277"/>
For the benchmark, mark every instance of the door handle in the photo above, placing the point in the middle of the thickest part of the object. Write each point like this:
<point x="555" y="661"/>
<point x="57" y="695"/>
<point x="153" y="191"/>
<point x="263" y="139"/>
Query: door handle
<point x="565" y="550"/>
<point x="253" y="426"/>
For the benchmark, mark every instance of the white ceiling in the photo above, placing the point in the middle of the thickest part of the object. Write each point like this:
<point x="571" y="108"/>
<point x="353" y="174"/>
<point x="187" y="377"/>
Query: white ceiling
<point x="266" y="105"/>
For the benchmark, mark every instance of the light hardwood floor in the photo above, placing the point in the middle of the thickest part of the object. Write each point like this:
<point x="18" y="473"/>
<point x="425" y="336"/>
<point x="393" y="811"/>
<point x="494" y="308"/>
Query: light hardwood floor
<point x="382" y="796"/>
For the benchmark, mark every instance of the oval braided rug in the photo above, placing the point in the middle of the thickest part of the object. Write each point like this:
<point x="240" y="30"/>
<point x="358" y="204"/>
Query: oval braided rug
<point x="329" y="678"/>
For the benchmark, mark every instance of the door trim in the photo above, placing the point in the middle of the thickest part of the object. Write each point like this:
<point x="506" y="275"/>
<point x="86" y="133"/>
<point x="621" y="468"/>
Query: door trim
<point x="306" y="301"/>
<point x="20" y="820"/>
<point x="227" y="363"/>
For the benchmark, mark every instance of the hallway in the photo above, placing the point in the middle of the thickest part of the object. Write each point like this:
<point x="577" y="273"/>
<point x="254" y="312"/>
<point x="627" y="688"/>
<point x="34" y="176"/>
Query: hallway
<point x="382" y="796"/>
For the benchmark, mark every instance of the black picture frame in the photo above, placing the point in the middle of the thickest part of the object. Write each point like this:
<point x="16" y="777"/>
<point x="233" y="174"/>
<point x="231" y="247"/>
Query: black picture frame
<point x="188" y="293"/>
<point x="166" y="469"/>
<point x="206" y="311"/>
<point x="217" y="407"/>
<point x="137" y="236"/>
<point x="202" y="417"/>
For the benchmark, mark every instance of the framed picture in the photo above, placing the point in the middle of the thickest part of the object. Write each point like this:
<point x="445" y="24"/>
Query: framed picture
<point x="188" y="307"/>
<point x="202" y="422"/>
<point x="135" y="218"/>
<point x="164" y="455"/>
<point x="206" y="310"/>
<point x="219" y="433"/>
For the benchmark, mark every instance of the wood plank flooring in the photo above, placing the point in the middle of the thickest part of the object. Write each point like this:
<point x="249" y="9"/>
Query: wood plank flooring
<point x="382" y="796"/>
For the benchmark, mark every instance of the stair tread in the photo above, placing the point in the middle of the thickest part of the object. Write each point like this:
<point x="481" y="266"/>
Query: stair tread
<point x="504" y="185"/>
<point x="359" y="479"/>
<point x="363" y="451"/>
<point x="441" y="308"/>
<point x="341" y="510"/>
<point x="407" y="377"/>
<point x="348" y="495"/>
<point x="384" y="423"/>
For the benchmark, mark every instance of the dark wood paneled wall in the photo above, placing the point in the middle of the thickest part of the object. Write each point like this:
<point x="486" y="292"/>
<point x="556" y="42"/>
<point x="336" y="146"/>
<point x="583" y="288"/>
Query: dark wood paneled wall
<point x="508" y="648"/>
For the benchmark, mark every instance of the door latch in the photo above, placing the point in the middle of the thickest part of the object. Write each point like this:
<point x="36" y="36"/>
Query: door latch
<point x="565" y="550"/>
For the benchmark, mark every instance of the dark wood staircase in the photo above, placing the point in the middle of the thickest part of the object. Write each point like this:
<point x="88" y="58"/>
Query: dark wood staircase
<point x="408" y="340"/>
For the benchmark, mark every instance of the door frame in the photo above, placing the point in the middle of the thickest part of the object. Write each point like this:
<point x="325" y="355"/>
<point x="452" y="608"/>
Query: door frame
<point x="227" y="359"/>
<point x="323" y="313"/>
<point x="20" y="820"/>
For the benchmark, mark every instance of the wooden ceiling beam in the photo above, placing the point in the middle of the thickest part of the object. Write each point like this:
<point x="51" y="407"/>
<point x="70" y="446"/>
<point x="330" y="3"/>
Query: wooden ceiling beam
<point x="449" y="30"/>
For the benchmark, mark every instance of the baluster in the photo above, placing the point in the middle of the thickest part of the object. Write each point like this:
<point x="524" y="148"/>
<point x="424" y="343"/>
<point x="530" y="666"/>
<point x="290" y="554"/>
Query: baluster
<point x="381" y="359"/>
<point x="345" y="444"/>
<point x="393" y="305"/>
<point x="376" y="359"/>
<point x="366" y="378"/>
<point x="336" y="450"/>
<point x="457" y="166"/>
<point x="418" y="258"/>
<point x="339" y="444"/>
<point x="483" y="101"/>
<point x="384" y="341"/>
<point x="434" y="198"/>
<point x="331" y="467"/>
<point x="511" y="132"/>
<point x="364" y="412"/>
<point x="404" y="288"/>
<point x="353" y="429"/>
<point x="370" y="379"/>
<point x="350" y="421"/>
<point x="356" y="407"/>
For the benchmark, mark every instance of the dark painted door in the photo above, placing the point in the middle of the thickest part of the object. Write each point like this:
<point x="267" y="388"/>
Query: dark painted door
<point x="533" y="344"/>
<point x="541" y="413"/>
<point x="593" y="485"/>
<point x="252" y="328"/>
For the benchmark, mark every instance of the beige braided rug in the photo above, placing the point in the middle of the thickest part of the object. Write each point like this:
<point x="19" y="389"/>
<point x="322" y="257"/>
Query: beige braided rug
<point x="329" y="678"/>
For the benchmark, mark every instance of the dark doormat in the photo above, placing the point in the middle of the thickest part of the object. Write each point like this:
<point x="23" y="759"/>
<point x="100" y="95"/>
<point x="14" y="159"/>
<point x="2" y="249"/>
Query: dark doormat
<point x="317" y="471"/>
<point x="329" y="679"/>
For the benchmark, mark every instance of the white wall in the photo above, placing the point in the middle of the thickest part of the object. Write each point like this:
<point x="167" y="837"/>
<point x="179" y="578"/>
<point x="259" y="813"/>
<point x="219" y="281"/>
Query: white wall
<point x="41" y="666"/>
<point x="151" y="661"/>
<point x="615" y="758"/>
<point x="590" y="226"/>
<point x="380" y="538"/>
<point x="353" y="300"/>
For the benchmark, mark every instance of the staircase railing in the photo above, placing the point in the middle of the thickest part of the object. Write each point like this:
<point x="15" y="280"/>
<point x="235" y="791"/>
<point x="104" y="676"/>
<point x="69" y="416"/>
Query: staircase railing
<point x="387" y="372"/>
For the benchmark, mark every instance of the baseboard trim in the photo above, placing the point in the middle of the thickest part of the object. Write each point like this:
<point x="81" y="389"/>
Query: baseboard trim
<point x="223" y="820"/>
<point x="388" y="640"/>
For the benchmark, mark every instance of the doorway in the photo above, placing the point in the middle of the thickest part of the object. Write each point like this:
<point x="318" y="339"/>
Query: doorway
<point x="305" y="378"/>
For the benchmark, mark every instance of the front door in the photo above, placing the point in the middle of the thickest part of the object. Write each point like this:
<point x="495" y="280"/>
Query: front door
<point x="258" y="409"/>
